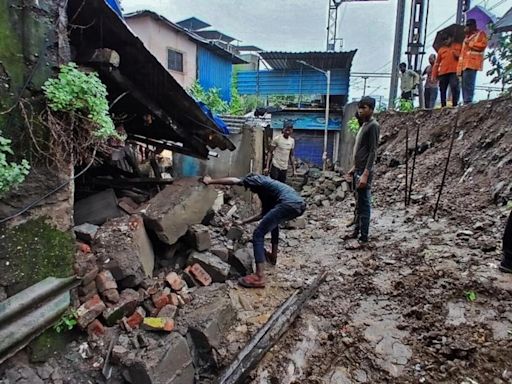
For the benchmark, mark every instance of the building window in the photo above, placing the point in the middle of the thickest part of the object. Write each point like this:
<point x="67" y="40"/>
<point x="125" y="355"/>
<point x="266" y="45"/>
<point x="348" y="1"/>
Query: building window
<point x="174" y="60"/>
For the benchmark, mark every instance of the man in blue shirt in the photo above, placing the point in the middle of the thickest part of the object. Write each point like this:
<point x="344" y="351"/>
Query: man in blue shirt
<point x="279" y="203"/>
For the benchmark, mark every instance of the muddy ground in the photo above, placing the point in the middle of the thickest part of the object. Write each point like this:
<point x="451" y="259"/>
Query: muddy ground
<point x="426" y="303"/>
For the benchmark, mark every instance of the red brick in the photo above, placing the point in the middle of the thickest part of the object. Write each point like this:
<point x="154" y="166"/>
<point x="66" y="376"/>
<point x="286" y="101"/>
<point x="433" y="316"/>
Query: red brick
<point x="200" y="275"/>
<point x="105" y="281"/>
<point x="173" y="299"/>
<point x="90" y="275"/>
<point x="96" y="329"/>
<point x="158" y="324"/>
<point x="111" y="295"/>
<point x="160" y="299"/>
<point x="89" y="311"/>
<point x="189" y="279"/>
<point x="169" y="311"/>
<point x="86" y="290"/>
<point x="84" y="248"/>
<point x="136" y="319"/>
<point x="175" y="281"/>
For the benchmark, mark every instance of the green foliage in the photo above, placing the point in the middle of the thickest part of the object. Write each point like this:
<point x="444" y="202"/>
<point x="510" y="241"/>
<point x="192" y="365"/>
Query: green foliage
<point x="280" y="100"/>
<point x="11" y="174"/>
<point x="470" y="295"/>
<point x="67" y="321"/>
<point x="83" y="94"/>
<point x="353" y="126"/>
<point x="404" y="105"/>
<point x="211" y="98"/>
<point x="501" y="60"/>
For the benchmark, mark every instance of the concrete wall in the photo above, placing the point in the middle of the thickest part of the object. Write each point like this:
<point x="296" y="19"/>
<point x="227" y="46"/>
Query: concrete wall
<point x="158" y="37"/>
<point x="247" y="157"/>
<point x="347" y="139"/>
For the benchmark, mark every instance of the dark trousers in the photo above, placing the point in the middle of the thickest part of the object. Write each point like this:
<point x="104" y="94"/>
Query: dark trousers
<point x="468" y="85"/>
<point x="449" y="79"/>
<point x="278" y="174"/>
<point x="407" y="95"/>
<point x="363" y="207"/>
<point x="507" y="243"/>
<point x="270" y="223"/>
<point x="430" y="95"/>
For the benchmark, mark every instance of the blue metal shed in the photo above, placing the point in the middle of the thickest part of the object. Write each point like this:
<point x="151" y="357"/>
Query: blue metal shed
<point x="214" y="71"/>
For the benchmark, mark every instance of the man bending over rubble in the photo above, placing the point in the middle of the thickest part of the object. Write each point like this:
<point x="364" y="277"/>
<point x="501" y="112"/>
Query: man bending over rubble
<point x="279" y="203"/>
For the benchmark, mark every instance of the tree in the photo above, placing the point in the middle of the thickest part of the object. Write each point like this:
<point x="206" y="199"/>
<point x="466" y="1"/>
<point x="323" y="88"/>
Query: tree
<point x="501" y="60"/>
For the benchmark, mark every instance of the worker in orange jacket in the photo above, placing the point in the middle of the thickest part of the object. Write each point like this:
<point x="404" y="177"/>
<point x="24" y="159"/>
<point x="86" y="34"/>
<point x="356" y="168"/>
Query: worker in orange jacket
<point x="471" y="59"/>
<point x="445" y="69"/>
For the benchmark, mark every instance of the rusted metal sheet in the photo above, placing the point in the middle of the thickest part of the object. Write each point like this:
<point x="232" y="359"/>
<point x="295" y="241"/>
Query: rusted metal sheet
<point x="29" y="313"/>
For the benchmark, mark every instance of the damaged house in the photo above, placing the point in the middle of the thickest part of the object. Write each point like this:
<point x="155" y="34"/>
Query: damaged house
<point x="134" y="224"/>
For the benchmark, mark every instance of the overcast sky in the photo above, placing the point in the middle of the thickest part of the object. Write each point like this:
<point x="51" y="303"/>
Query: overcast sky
<point x="300" y="25"/>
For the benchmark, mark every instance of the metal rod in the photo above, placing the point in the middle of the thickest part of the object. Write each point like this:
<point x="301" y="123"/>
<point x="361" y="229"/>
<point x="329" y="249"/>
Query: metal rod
<point x="454" y="132"/>
<point x="326" y="131"/>
<point x="413" y="163"/>
<point x="406" y="162"/>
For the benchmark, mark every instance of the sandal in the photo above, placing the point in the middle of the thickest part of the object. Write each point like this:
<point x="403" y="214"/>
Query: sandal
<point x="251" y="281"/>
<point x="270" y="258"/>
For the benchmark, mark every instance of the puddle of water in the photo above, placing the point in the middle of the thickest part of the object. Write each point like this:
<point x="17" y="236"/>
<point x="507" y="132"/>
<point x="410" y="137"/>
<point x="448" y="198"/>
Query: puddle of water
<point x="299" y="357"/>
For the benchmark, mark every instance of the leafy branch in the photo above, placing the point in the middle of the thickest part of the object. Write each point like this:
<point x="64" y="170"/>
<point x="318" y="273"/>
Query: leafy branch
<point x="11" y="174"/>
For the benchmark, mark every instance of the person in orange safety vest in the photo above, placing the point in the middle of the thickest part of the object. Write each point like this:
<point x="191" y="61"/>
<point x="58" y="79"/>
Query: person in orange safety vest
<point x="471" y="59"/>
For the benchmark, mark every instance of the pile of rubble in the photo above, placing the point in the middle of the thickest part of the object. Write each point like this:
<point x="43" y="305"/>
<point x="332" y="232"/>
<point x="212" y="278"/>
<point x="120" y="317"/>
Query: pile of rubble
<point x="141" y="272"/>
<point x="325" y="188"/>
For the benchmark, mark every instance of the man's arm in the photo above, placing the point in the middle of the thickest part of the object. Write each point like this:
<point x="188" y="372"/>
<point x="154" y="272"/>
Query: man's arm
<point x="207" y="180"/>
<point x="373" y="141"/>
<point x="479" y="43"/>
<point x="252" y="219"/>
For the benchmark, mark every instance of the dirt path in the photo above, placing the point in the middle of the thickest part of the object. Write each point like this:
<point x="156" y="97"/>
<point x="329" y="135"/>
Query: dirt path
<point x="396" y="313"/>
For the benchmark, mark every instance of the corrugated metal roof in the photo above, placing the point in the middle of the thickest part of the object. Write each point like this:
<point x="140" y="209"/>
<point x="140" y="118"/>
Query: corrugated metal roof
<point x="215" y="35"/>
<point x="505" y="23"/>
<point x="322" y="60"/>
<point x="192" y="35"/>
<point x="193" y="24"/>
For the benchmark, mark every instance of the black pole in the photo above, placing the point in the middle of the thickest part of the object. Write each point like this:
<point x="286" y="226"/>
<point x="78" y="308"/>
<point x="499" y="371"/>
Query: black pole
<point x="413" y="163"/>
<point x="446" y="166"/>
<point x="406" y="161"/>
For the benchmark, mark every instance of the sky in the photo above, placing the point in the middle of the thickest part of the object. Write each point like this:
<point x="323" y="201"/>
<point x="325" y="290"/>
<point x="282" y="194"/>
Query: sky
<point x="300" y="25"/>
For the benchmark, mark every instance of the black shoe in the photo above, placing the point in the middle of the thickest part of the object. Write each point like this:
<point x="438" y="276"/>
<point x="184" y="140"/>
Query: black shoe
<point x="505" y="268"/>
<point x="363" y="240"/>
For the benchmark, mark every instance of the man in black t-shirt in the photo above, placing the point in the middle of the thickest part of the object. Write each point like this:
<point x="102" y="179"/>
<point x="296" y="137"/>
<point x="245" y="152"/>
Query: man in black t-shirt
<point x="279" y="202"/>
<point x="506" y="262"/>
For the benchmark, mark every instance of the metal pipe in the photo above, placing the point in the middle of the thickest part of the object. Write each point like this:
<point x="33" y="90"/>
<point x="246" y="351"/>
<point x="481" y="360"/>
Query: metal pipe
<point x="413" y="163"/>
<point x="454" y="132"/>
<point x="406" y="162"/>
<point x="326" y="131"/>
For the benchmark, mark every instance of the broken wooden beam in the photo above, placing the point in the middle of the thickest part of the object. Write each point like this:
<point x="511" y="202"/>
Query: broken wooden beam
<point x="269" y="334"/>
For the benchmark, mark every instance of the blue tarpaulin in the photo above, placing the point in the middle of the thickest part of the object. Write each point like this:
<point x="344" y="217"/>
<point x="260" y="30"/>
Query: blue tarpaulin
<point x="223" y="128"/>
<point x="116" y="6"/>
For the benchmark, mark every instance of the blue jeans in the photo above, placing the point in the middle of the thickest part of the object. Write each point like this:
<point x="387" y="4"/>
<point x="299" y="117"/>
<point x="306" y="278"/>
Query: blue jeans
<point x="270" y="222"/>
<point x="363" y="207"/>
<point x="430" y="97"/>
<point x="468" y="85"/>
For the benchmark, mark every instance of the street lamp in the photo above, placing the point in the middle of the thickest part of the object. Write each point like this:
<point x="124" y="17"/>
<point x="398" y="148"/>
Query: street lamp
<point x="328" y="76"/>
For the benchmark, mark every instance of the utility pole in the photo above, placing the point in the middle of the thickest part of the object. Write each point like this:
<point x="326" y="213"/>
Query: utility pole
<point x="397" y="51"/>
<point x="365" y="78"/>
<point x="462" y="7"/>
<point x="332" y="24"/>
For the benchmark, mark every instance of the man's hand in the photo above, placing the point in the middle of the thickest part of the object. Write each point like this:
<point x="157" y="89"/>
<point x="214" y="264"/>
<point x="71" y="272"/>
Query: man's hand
<point x="349" y="175"/>
<point x="363" y="181"/>
<point x="266" y="171"/>
<point x="238" y="222"/>
<point x="206" y="180"/>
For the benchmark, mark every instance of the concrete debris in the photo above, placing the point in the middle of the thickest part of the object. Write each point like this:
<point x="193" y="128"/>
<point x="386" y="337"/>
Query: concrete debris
<point x="125" y="250"/>
<point x="213" y="265"/>
<point x="242" y="260"/>
<point x="96" y="209"/>
<point x="86" y="232"/>
<point x="128" y="301"/>
<point x="89" y="311"/>
<point x="178" y="206"/>
<point x="235" y="233"/>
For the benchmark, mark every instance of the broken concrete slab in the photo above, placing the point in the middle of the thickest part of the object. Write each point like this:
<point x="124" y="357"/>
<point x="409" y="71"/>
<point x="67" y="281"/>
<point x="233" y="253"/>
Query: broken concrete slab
<point x="297" y="223"/>
<point x="128" y="301"/>
<point x="242" y="261"/>
<point x="170" y="365"/>
<point x="96" y="209"/>
<point x="86" y="232"/>
<point x="125" y="250"/>
<point x="178" y="206"/>
<point x="213" y="265"/>
<point x="198" y="237"/>
<point x="235" y="233"/>
<point x="221" y="251"/>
